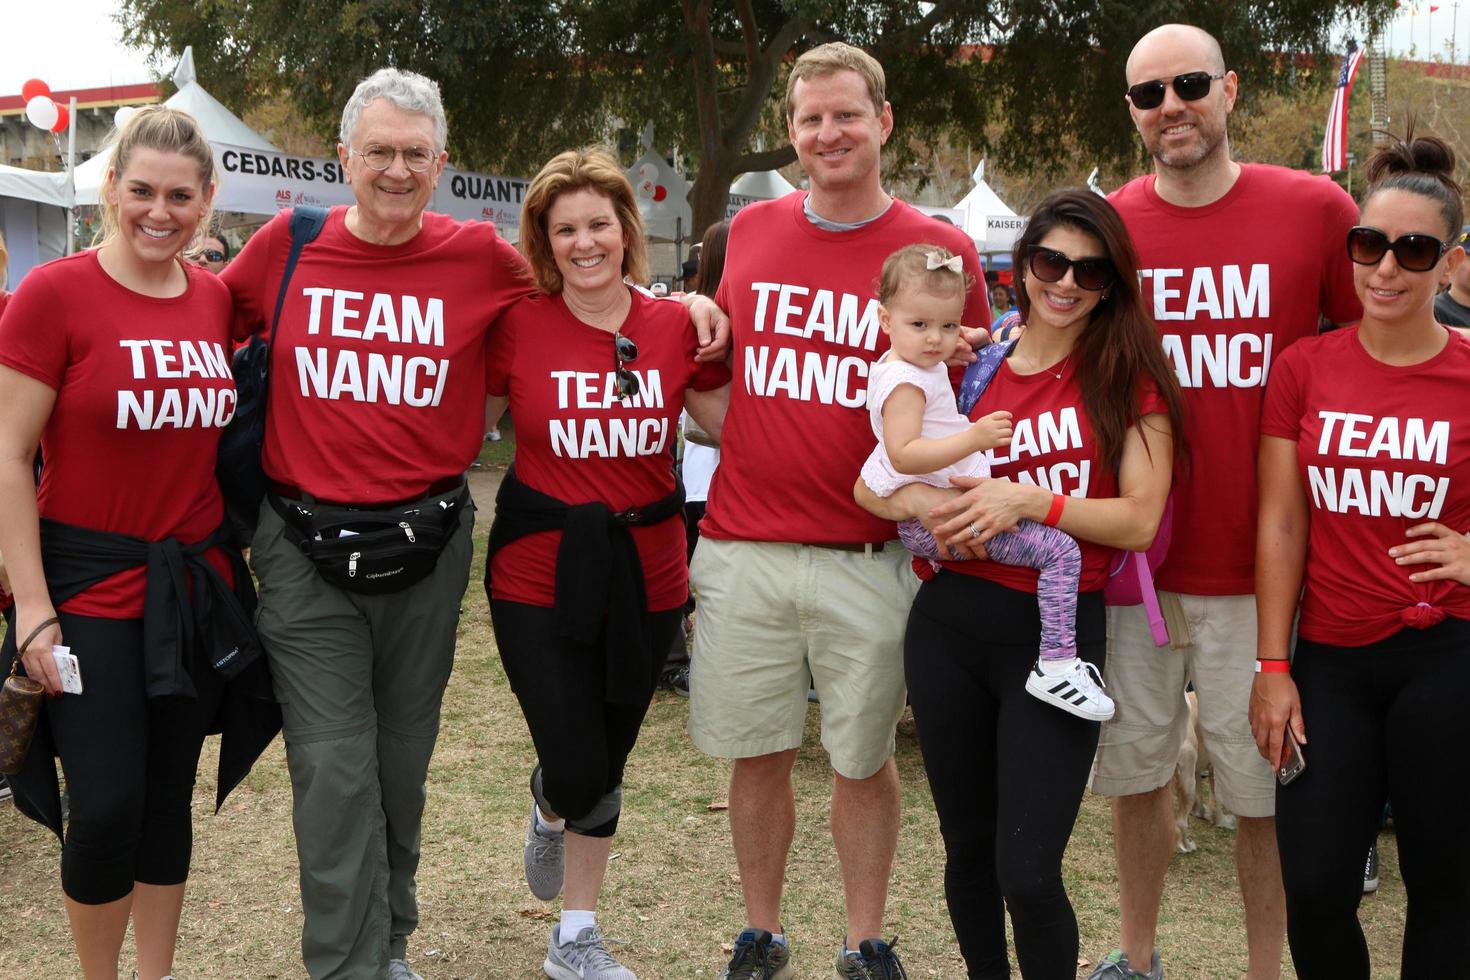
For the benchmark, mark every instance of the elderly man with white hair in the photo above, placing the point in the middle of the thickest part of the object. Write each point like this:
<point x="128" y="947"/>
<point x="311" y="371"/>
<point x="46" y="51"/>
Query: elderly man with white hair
<point x="376" y="409"/>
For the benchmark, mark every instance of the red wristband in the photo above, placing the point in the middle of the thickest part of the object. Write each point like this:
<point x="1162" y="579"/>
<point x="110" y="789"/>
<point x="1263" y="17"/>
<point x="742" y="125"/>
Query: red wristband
<point x="1273" y="666"/>
<point x="1055" y="513"/>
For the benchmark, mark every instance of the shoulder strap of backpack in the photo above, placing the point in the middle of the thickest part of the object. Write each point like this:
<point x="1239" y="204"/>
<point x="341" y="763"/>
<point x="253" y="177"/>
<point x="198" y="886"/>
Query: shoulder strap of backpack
<point x="979" y="374"/>
<point x="307" y="222"/>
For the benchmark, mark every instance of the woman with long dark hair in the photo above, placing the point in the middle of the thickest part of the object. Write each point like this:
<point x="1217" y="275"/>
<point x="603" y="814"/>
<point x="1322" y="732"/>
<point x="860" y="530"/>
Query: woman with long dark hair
<point x="1097" y="422"/>
<point x="1364" y="470"/>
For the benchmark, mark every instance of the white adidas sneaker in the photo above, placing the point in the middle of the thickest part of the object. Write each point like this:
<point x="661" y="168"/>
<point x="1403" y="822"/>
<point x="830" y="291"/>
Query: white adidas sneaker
<point x="1077" y="689"/>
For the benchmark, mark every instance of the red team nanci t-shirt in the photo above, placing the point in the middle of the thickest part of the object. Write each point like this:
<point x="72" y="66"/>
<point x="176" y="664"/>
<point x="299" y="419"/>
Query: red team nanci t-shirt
<point x="1052" y="446"/>
<point x="804" y="333"/>
<point x="1380" y="448"/>
<point x="1231" y="286"/>
<point x="143" y="388"/>
<point x="578" y="442"/>
<point x="378" y="372"/>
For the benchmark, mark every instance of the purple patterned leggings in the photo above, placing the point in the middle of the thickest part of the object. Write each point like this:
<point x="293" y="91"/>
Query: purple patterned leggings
<point x="1051" y="552"/>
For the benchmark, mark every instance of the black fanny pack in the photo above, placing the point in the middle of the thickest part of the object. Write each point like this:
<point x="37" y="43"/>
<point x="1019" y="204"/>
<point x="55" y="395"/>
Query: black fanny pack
<point x="372" y="551"/>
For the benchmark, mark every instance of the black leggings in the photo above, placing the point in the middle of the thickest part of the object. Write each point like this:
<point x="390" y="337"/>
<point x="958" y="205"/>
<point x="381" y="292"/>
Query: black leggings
<point x="1386" y="719"/>
<point x="129" y="763"/>
<point x="582" y="741"/>
<point x="1007" y="770"/>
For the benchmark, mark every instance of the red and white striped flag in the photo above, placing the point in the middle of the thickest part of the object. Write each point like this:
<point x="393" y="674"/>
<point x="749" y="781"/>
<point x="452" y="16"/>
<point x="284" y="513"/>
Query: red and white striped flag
<point x="1334" y="142"/>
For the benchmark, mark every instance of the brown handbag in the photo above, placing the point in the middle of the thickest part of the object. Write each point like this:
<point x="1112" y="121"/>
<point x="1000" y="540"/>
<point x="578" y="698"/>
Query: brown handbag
<point x="20" y="709"/>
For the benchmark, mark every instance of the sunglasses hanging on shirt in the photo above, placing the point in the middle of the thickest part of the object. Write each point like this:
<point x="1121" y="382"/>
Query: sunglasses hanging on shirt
<point x="625" y="352"/>
<point x="1190" y="87"/>
<point x="1049" y="265"/>
<point x="1413" y="253"/>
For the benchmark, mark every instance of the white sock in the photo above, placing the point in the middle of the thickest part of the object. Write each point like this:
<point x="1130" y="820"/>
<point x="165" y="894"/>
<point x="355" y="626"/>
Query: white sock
<point x="549" y="826"/>
<point x="573" y="921"/>
<point x="778" y="937"/>
<point x="1056" y="668"/>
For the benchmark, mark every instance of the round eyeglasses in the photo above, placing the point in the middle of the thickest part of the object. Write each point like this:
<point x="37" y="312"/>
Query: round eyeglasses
<point x="380" y="158"/>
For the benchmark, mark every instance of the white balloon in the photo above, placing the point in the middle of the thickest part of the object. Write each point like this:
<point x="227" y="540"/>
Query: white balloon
<point x="42" y="112"/>
<point x="121" y="117"/>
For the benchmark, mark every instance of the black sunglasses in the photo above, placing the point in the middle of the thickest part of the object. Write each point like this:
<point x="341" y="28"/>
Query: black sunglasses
<point x="213" y="256"/>
<point x="1191" y="87"/>
<point x="625" y="352"/>
<point x="1413" y="253"/>
<point x="1049" y="265"/>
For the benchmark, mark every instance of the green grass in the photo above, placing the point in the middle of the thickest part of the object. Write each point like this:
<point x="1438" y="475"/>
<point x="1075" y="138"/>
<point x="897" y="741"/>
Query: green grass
<point x="672" y="889"/>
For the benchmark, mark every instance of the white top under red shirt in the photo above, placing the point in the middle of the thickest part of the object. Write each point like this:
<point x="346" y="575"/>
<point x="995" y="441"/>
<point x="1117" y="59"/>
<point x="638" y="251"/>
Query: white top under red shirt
<point x="1232" y="285"/>
<point x="378" y="373"/>
<point x="804" y="332"/>
<point x="1380" y="448"/>
<point x="941" y="418"/>
<point x="143" y="388"/>
<point x="578" y="442"/>
<point x="1052" y="446"/>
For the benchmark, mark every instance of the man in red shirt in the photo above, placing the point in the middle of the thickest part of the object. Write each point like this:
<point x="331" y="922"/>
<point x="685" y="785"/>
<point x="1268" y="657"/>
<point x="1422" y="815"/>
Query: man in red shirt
<point x="1238" y="261"/>
<point x="793" y="579"/>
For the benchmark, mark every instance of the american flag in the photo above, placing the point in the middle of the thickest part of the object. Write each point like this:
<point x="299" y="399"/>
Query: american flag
<point x="1334" y="142"/>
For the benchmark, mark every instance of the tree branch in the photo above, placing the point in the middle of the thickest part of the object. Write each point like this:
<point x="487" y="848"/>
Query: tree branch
<point x="765" y="160"/>
<point x="758" y="82"/>
<point x="746" y="14"/>
<point x="942" y="11"/>
<point x="706" y="87"/>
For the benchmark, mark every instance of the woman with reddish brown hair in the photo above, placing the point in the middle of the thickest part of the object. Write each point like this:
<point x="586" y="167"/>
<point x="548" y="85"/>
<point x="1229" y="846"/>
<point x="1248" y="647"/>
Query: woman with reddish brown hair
<point x="585" y="568"/>
<point x="1097" y="420"/>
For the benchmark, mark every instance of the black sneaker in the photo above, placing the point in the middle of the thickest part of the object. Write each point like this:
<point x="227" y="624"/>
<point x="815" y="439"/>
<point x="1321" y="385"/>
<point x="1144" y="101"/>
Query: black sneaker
<point x="874" y="960"/>
<point x="756" y="957"/>
<point x="676" y="679"/>
<point x="1370" y="871"/>
<point x="4" y="789"/>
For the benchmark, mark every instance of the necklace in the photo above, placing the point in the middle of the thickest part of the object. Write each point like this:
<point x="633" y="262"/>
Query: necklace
<point x="1056" y="370"/>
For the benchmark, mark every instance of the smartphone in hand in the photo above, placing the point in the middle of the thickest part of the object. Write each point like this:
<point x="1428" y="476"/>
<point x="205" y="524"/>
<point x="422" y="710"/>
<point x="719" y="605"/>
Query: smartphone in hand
<point x="1295" y="764"/>
<point x="67" y="669"/>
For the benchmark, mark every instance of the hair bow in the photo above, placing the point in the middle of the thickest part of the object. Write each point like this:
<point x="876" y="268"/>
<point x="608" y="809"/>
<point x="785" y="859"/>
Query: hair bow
<point x="932" y="261"/>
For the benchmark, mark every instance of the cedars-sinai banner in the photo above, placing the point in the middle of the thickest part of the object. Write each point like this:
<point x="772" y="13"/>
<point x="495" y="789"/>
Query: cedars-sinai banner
<point x="262" y="182"/>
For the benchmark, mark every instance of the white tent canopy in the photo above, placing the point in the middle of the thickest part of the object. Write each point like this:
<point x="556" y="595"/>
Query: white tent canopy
<point x="34" y="185"/>
<point x="32" y="218"/>
<point x="988" y="219"/>
<point x="662" y="194"/>
<point x="220" y="125"/>
<point x="757" y="185"/>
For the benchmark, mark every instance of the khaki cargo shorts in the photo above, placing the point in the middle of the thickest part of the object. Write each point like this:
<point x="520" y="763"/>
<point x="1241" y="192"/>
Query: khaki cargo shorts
<point x="1139" y="748"/>
<point x="768" y="614"/>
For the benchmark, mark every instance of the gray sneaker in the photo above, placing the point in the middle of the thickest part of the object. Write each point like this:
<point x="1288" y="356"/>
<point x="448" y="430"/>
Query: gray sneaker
<point x="756" y="957"/>
<point x="398" y="970"/>
<point x="584" y="958"/>
<point x="544" y="857"/>
<point x="1115" y="966"/>
<point x="873" y="960"/>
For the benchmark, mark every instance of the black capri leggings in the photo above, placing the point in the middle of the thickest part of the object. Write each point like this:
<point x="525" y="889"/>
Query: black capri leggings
<point x="1383" y="720"/>
<point x="129" y="763"/>
<point x="582" y="741"/>
<point x="1007" y="770"/>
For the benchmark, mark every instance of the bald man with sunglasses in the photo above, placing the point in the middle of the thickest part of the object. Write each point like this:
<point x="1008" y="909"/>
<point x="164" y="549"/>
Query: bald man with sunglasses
<point x="1237" y="261"/>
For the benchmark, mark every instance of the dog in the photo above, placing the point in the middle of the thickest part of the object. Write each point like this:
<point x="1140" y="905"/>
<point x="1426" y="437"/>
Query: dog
<point x="1193" y="778"/>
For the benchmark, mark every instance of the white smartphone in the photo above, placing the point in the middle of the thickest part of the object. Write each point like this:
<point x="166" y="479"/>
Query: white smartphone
<point x="1296" y="763"/>
<point x="68" y="669"/>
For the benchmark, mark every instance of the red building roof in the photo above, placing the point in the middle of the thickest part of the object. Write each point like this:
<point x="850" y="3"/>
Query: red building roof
<point x="107" y="95"/>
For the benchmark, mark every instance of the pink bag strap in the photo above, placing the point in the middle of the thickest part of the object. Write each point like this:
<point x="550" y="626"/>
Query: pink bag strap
<point x="1150" y="599"/>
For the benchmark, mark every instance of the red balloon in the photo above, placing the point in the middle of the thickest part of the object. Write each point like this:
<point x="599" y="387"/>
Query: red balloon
<point x="63" y="119"/>
<point x="660" y="192"/>
<point x="33" y="88"/>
